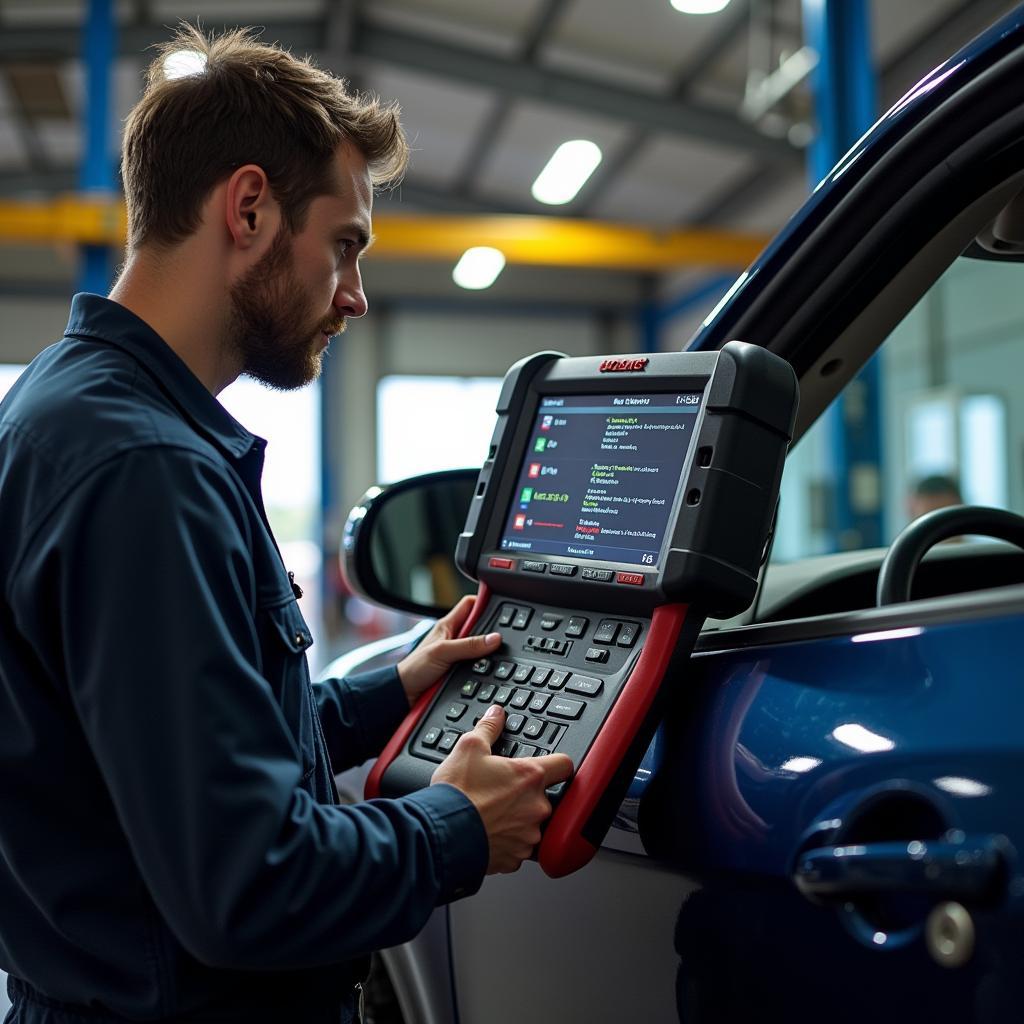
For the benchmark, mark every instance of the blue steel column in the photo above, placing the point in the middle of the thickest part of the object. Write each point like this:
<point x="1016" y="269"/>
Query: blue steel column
<point x="845" y="98"/>
<point x="97" y="171"/>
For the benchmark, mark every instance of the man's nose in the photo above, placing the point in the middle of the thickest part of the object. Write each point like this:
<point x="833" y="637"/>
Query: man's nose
<point x="349" y="299"/>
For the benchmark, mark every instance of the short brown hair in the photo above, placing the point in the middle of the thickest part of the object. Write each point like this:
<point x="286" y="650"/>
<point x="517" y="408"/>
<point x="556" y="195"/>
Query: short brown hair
<point x="246" y="102"/>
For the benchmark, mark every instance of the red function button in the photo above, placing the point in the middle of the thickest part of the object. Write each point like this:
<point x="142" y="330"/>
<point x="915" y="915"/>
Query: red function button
<point x="501" y="563"/>
<point x="635" y="579"/>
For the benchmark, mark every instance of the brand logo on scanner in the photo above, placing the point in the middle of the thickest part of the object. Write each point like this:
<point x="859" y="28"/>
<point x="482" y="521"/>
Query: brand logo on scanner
<point x="622" y="365"/>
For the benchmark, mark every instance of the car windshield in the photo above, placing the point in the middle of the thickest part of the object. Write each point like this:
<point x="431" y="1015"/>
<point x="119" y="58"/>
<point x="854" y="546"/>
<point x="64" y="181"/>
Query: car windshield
<point x="950" y="429"/>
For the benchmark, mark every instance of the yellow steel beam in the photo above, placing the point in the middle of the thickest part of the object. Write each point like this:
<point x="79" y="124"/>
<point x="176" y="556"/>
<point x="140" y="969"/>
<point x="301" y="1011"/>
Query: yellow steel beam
<point x="541" y="241"/>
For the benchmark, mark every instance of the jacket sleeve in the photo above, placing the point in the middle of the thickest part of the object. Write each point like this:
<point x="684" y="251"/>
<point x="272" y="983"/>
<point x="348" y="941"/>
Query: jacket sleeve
<point x="148" y="570"/>
<point x="359" y="714"/>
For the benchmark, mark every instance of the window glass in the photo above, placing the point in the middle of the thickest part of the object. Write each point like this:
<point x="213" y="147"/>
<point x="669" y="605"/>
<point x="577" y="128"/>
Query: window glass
<point x="425" y="424"/>
<point x="290" y="421"/>
<point x="9" y="373"/>
<point x="952" y="418"/>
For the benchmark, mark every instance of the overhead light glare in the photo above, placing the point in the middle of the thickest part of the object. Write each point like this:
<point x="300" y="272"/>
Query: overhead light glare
<point x="887" y="634"/>
<point x="478" y="267"/>
<point x="566" y="172"/>
<point x="699" y="6"/>
<point x="852" y="734"/>
<point x="182" y="63"/>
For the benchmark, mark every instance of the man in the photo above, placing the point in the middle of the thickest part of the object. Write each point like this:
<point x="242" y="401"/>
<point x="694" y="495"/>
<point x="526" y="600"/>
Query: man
<point x="931" y="493"/>
<point x="170" y="843"/>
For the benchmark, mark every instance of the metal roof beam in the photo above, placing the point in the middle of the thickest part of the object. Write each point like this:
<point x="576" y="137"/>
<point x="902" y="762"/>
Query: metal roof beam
<point x="537" y="241"/>
<point x="589" y="96"/>
<point x="444" y="60"/>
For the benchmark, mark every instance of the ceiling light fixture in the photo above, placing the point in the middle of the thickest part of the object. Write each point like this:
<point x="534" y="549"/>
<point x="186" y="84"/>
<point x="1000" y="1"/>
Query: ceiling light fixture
<point x="566" y="172"/>
<point x="699" y="6"/>
<point x="478" y="267"/>
<point x="181" y="63"/>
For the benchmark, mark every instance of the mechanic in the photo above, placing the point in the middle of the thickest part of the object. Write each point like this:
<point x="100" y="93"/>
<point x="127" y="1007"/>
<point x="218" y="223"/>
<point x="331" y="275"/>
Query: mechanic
<point x="932" y="492"/>
<point x="171" y="846"/>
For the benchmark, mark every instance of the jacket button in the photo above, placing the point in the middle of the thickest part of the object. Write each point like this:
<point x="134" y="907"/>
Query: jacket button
<point x="299" y="638"/>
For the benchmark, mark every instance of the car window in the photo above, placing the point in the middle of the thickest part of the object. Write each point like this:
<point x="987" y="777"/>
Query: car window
<point x="951" y="426"/>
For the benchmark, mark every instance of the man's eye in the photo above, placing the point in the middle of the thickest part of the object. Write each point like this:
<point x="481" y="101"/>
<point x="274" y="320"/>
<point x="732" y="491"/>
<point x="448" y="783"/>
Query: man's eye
<point x="345" y="247"/>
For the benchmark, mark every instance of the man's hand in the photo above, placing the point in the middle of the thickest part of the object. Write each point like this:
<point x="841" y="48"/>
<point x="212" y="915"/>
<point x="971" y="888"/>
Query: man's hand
<point x="438" y="651"/>
<point x="508" y="792"/>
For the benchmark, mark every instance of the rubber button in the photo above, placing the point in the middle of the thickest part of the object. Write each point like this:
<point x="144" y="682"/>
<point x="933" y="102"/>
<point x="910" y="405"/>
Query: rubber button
<point x="634" y="579"/>
<point x="500" y="563"/>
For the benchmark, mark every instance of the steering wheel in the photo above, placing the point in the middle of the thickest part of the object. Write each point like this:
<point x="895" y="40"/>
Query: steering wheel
<point x="896" y="577"/>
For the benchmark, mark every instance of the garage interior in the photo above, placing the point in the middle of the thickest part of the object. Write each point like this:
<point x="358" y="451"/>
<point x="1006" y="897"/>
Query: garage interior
<point x="712" y="130"/>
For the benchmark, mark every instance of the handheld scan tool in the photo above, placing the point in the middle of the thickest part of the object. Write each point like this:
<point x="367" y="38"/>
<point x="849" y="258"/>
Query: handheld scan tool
<point x="623" y="500"/>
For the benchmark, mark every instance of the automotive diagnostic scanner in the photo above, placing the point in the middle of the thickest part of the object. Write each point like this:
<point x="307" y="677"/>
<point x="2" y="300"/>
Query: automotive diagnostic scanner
<point x="623" y="500"/>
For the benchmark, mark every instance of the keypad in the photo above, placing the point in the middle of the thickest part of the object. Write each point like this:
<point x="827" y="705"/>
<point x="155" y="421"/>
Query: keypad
<point x="522" y="617"/>
<point x="562" y="707"/>
<point x="544" y="703"/>
<point x="448" y="740"/>
<point x="455" y="711"/>
<point x="520" y="699"/>
<point x="558" y="678"/>
<point x="539" y="703"/>
<point x="586" y="685"/>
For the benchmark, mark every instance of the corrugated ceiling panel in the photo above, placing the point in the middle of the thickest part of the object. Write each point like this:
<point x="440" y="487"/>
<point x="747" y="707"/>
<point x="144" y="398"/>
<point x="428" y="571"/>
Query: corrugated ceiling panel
<point x="670" y="181"/>
<point x="440" y="118"/>
<point x="494" y="26"/>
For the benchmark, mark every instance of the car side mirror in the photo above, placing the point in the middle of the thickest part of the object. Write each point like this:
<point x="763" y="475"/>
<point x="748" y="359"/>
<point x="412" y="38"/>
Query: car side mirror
<point x="398" y="547"/>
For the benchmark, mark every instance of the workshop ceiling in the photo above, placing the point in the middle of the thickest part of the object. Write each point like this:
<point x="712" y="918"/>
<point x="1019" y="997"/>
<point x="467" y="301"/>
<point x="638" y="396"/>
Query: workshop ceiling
<point x="489" y="88"/>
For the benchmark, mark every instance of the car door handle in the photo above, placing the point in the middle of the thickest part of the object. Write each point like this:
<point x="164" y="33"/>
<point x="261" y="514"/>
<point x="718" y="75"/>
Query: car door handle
<point x="955" y="866"/>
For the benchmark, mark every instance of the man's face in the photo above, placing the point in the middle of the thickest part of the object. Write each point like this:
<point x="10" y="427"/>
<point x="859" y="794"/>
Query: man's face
<point x="288" y="305"/>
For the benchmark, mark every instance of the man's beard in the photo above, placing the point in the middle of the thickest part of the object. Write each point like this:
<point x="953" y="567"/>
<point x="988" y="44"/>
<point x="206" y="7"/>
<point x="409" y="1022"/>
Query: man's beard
<point x="271" y="328"/>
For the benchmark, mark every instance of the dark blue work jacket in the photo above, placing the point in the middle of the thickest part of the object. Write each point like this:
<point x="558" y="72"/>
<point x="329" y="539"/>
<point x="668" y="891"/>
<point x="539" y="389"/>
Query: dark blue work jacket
<point x="170" y="841"/>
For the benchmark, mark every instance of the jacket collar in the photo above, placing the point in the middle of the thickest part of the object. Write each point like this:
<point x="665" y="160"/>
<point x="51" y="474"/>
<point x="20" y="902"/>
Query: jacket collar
<point x="97" y="318"/>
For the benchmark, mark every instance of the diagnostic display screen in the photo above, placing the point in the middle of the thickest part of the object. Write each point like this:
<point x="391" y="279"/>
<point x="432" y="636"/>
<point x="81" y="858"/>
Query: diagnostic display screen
<point x="600" y="475"/>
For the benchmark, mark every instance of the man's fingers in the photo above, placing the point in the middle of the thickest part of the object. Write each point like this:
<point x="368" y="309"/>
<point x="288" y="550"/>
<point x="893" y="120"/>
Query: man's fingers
<point x="458" y="615"/>
<point x="491" y="724"/>
<point x="468" y="647"/>
<point x="557" y="768"/>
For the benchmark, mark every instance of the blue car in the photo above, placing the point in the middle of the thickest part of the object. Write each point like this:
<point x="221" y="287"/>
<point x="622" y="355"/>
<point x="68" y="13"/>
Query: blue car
<point x="827" y="824"/>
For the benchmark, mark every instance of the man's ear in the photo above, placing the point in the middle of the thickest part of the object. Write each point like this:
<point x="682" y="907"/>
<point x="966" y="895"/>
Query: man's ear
<point x="251" y="212"/>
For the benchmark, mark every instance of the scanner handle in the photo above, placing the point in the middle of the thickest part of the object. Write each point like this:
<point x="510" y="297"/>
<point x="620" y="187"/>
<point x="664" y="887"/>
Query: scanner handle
<point x="563" y="847"/>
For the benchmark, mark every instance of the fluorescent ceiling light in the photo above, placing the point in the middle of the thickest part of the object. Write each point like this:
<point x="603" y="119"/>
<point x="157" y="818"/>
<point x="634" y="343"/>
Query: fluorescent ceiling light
<point x="699" y="6"/>
<point x="181" y="63"/>
<point x="478" y="267"/>
<point x="564" y="174"/>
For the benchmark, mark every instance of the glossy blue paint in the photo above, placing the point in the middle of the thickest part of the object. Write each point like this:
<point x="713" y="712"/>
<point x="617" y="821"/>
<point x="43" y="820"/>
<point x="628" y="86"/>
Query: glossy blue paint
<point x="776" y="739"/>
<point x="97" y="170"/>
<point x="956" y="73"/>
